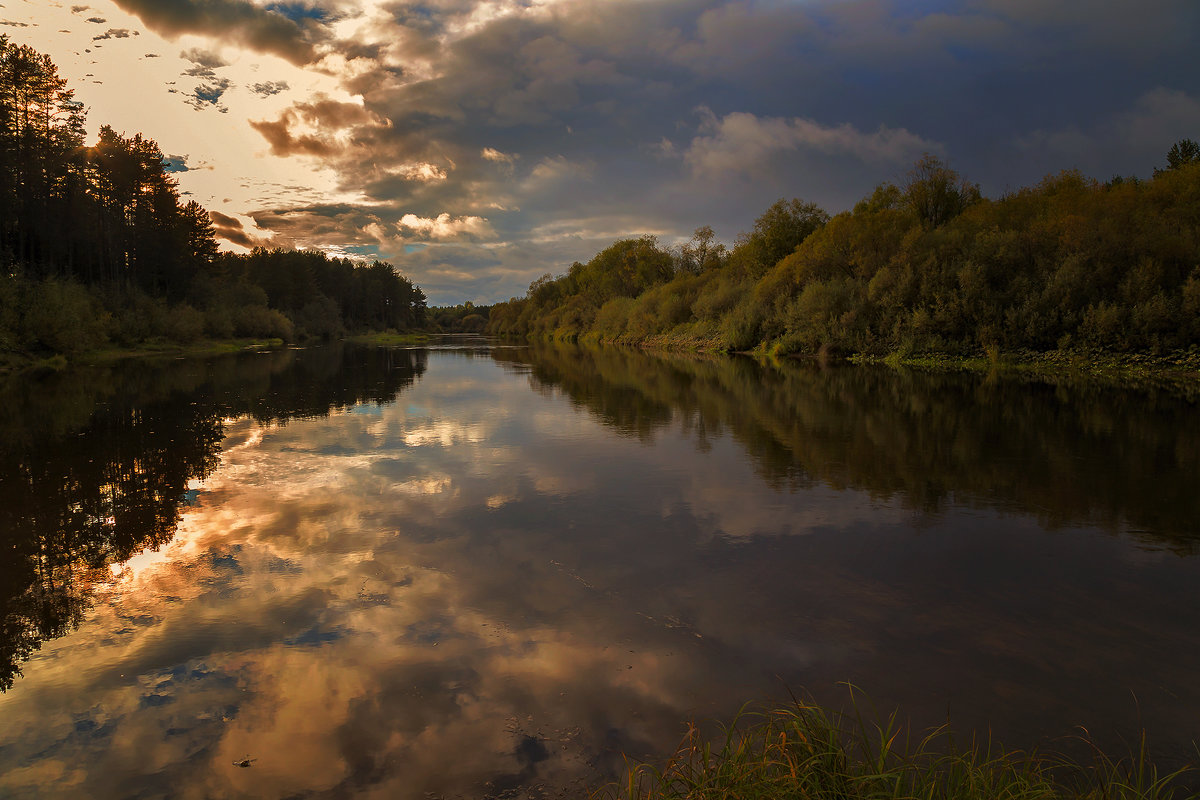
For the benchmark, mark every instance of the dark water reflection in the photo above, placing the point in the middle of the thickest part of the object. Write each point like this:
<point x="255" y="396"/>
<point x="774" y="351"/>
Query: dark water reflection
<point x="96" y="463"/>
<point x="492" y="572"/>
<point x="1075" y="453"/>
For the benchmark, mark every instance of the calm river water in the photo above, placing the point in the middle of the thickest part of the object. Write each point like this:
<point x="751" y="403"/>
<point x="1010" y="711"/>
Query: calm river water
<point x="486" y="571"/>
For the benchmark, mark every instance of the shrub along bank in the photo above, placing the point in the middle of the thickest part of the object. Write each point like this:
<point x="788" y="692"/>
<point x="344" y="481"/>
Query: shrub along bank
<point x="929" y="267"/>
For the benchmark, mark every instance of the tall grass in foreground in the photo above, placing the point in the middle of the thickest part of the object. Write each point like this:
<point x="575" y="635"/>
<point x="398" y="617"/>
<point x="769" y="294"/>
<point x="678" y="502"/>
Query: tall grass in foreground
<point x="805" y="751"/>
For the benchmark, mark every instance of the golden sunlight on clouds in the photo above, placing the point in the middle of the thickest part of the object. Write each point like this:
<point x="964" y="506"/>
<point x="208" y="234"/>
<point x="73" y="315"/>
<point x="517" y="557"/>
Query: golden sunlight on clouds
<point x="110" y="77"/>
<point x="325" y="122"/>
<point x="443" y="226"/>
<point x="444" y="434"/>
<point x="423" y="172"/>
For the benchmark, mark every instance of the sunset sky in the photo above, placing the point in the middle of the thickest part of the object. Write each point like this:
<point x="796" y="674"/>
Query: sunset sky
<point x="477" y="144"/>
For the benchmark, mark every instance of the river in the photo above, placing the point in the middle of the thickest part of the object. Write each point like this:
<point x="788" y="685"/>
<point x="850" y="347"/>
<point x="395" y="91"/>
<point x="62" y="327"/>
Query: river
<point x="480" y="570"/>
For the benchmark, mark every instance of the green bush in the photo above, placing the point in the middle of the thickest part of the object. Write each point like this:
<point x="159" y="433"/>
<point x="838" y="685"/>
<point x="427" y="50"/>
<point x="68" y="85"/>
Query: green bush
<point x="218" y="323"/>
<point x="185" y="324"/>
<point x="740" y="328"/>
<point x="10" y="316"/>
<point x="62" y="317"/>
<point x="613" y="317"/>
<point x="319" y="319"/>
<point x="262" y="322"/>
<point x="139" y="318"/>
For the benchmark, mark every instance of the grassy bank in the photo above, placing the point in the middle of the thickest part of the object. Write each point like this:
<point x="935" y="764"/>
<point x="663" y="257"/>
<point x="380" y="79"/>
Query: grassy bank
<point x="389" y="338"/>
<point x="1178" y="371"/>
<point x="162" y="348"/>
<point x="805" y="751"/>
<point x="206" y="347"/>
<point x="16" y="362"/>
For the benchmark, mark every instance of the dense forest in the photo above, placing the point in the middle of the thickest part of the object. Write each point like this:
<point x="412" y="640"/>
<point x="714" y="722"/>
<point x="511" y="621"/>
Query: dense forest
<point x="930" y="266"/>
<point x="96" y="245"/>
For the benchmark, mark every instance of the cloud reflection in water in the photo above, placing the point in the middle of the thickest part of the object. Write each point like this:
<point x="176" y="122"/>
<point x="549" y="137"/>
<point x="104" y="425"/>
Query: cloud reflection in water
<point x="477" y="588"/>
<point x="347" y="602"/>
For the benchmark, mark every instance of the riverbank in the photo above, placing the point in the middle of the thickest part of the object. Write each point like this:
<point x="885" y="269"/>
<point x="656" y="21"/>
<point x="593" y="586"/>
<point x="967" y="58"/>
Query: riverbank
<point x="390" y="338"/>
<point x="18" y="362"/>
<point x="1178" y="371"/>
<point x="806" y="751"/>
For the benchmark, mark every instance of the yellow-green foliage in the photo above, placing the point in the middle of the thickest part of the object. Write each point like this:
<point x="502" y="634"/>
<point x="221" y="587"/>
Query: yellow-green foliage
<point x="50" y="316"/>
<point x="930" y="267"/>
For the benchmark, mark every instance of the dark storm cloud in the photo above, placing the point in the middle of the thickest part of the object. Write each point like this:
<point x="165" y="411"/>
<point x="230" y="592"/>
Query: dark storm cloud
<point x="321" y="127"/>
<point x="564" y="125"/>
<point x="204" y="58"/>
<point x="267" y="30"/>
<point x="318" y="225"/>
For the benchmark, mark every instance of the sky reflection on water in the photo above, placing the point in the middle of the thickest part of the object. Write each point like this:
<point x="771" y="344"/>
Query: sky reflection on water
<point x="477" y="588"/>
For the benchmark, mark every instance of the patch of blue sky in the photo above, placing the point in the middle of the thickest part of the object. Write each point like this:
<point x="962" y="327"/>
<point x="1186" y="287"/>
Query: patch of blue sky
<point x="226" y="563"/>
<point x="298" y="12"/>
<point x="175" y="164"/>
<point x="428" y="16"/>
<point x="315" y="637"/>
<point x="212" y="92"/>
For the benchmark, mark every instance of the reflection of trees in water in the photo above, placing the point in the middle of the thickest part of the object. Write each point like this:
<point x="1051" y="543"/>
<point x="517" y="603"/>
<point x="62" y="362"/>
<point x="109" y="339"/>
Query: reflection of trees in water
<point x="94" y="464"/>
<point x="1070" y="453"/>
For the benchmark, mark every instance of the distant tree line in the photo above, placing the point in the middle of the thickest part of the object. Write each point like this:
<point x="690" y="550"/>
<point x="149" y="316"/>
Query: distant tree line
<point x="462" y="318"/>
<point x="930" y="266"/>
<point x="97" y="246"/>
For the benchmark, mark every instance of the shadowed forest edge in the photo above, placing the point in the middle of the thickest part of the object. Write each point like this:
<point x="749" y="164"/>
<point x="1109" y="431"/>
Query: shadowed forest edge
<point x="97" y="247"/>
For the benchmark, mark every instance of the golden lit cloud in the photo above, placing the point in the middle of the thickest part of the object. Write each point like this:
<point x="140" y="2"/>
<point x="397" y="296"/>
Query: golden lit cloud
<point x="443" y="226"/>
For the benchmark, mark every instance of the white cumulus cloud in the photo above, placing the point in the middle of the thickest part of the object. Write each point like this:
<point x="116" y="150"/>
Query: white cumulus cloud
<point x="444" y="227"/>
<point x="742" y="142"/>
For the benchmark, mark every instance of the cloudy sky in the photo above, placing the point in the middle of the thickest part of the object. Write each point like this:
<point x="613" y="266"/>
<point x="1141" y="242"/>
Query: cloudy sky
<point x="477" y="144"/>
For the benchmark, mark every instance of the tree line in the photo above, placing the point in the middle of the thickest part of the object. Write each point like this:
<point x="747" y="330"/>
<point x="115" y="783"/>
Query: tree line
<point x="462" y="318"/>
<point x="97" y="246"/>
<point x="929" y="266"/>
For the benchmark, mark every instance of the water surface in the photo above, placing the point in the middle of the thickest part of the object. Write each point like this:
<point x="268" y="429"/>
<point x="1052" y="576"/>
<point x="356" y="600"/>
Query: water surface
<point x="483" y="571"/>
